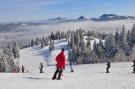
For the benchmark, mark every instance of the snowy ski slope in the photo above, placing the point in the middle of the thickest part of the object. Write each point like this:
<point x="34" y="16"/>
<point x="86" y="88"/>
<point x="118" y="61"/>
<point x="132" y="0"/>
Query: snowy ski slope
<point x="91" y="76"/>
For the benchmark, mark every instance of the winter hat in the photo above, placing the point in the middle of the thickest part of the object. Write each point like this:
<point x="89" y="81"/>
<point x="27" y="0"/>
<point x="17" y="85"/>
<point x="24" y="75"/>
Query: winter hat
<point x="63" y="49"/>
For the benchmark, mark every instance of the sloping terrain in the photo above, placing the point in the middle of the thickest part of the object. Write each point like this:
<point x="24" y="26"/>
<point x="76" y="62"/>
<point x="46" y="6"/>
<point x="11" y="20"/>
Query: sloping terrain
<point x="91" y="76"/>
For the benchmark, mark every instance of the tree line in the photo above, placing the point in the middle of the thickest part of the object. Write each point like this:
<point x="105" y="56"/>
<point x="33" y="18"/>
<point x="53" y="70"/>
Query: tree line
<point x="82" y="45"/>
<point x="118" y="46"/>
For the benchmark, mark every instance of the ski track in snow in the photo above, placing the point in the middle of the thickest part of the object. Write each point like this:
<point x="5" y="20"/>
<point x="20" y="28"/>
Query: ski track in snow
<point x="91" y="76"/>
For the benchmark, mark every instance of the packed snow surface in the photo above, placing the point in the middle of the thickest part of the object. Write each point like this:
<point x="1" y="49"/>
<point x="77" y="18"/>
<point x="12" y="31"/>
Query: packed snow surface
<point x="91" y="76"/>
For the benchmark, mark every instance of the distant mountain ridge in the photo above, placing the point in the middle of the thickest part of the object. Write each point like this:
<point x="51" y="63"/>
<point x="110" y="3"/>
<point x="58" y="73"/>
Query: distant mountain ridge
<point x="104" y="17"/>
<point x="108" y="17"/>
<point x="82" y="18"/>
<point x="57" y="19"/>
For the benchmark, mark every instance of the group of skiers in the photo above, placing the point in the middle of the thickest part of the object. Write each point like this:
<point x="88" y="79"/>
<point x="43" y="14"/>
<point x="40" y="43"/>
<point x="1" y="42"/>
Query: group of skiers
<point x="40" y="68"/>
<point x="109" y="65"/>
<point x="60" y="66"/>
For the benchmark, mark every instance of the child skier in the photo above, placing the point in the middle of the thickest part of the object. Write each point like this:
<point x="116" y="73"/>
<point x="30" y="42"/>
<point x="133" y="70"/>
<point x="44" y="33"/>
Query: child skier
<point x="22" y="69"/>
<point x="41" y="68"/>
<point x="108" y="66"/>
<point x="60" y="59"/>
<point x="133" y="66"/>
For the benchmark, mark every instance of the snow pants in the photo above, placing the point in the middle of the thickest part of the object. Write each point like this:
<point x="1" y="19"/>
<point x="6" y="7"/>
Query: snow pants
<point x="71" y="66"/>
<point x="107" y="69"/>
<point x="59" y="72"/>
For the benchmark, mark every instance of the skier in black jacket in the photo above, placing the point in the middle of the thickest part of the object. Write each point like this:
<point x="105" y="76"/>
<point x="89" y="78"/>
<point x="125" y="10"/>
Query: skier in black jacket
<point x="41" y="68"/>
<point x="108" y="66"/>
<point x="133" y="66"/>
<point x="22" y="69"/>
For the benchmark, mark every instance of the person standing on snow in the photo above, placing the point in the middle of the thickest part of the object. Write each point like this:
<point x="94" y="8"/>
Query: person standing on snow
<point x="70" y="59"/>
<point x="108" y="66"/>
<point x="71" y="65"/>
<point x="22" y="69"/>
<point x="133" y="66"/>
<point x="60" y="59"/>
<point x="41" y="68"/>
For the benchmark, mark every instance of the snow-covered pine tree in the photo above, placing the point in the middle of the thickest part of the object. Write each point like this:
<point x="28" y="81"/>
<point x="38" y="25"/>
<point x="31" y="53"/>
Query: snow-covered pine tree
<point x="88" y="45"/>
<point x="3" y="62"/>
<point x="37" y="41"/>
<point x="122" y="37"/>
<point x="51" y="45"/>
<point x="77" y="37"/>
<point x="42" y="42"/>
<point x="129" y="39"/>
<point x="133" y="35"/>
<point x="15" y="50"/>
<point x="10" y="58"/>
<point x="89" y="57"/>
<point x="110" y="47"/>
<point x="100" y="50"/>
<point x="82" y="45"/>
<point x="72" y="40"/>
<point x="53" y="36"/>
<point x="117" y="37"/>
<point x="32" y="42"/>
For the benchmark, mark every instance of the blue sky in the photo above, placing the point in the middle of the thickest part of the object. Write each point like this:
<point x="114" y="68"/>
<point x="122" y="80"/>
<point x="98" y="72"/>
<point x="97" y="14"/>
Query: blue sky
<point x="27" y="10"/>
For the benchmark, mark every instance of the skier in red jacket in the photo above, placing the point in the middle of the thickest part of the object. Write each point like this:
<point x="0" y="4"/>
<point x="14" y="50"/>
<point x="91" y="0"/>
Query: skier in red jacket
<point x="60" y="59"/>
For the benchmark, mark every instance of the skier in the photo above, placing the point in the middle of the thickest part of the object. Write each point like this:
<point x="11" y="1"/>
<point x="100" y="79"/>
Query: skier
<point x="71" y="67"/>
<point x="108" y="66"/>
<point x="71" y="58"/>
<point x="60" y="59"/>
<point x="41" y="68"/>
<point x="133" y="66"/>
<point x="22" y="69"/>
